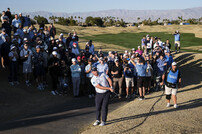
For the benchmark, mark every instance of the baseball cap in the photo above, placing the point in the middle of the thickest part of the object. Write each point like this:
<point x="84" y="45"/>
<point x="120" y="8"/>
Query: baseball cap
<point x="3" y="30"/>
<point x="74" y="44"/>
<point x="94" y="69"/>
<point x="37" y="46"/>
<point x="78" y="57"/>
<point x="12" y="47"/>
<point x="25" y="39"/>
<point x="116" y="60"/>
<point x="55" y="48"/>
<point x="138" y="46"/>
<point x="101" y="58"/>
<point x="174" y="64"/>
<point x="133" y="49"/>
<point x="57" y="40"/>
<point x="60" y="45"/>
<point x="83" y="57"/>
<point x="61" y="34"/>
<point x="54" y="53"/>
<point x="24" y="30"/>
<point x="73" y="60"/>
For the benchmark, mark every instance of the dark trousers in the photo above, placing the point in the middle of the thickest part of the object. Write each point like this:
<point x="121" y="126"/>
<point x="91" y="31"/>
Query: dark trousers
<point x="101" y="102"/>
<point x="13" y="71"/>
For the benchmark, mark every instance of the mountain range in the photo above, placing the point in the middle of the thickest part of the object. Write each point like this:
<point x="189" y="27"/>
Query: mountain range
<point x="128" y="15"/>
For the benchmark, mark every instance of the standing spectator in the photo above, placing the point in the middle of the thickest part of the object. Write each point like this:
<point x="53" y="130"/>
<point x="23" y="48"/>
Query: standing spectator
<point x="102" y="67"/>
<point x="62" y="39"/>
<point x="8" y="13"/>
<point x="6" y="25"/>
<point x="117" y="75"/>
<point x="167" y="44"/>
<point x="13" y="56"/>
<point x="75" y="73"/>
<point x="89" y="75"/>
<point x="4" y="17"/>
<point x="4" y="51"/>
<point x="139" y="50"/>
<point x="52" y="31"/>
<point x="68" y="40"/>
<point x="54" y="71"/>
<point x="148" y="75"/>
<point x="26" y="56"/>
<point x="75" y="50"/>
<point x="90" y="46"/>
<point x="143" y="41"/>
<point x="22" y="19"/>
<point x="128" y="73"/>
<point x="3" y="36"/>
<point x="38" y="67"/>
<point x="177" y="40"/>
<point x="15" y="23"/>
<point x="75" y="36"/>
<point x="141" y="68"/>
<point x="20" y="31"/>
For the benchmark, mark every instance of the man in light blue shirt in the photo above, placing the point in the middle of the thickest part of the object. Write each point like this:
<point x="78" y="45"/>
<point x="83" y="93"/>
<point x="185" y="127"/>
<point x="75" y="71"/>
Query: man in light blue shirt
<point x="177" y="40"/>
<point x="16" y="22"/>
<point x="75" y="72"/>
<point x="102" y="67"/>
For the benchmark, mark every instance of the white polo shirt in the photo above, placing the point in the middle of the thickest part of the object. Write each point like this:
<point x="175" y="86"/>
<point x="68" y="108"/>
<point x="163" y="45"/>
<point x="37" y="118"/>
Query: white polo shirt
<point x="101" y="79"/>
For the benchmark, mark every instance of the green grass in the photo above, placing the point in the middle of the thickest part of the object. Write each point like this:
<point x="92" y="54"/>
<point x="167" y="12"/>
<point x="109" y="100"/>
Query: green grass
<point x="131" y="40"/>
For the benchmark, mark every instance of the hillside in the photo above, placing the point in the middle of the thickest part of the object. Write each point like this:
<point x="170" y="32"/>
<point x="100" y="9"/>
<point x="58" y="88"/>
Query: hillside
<point x="129" y="15"/>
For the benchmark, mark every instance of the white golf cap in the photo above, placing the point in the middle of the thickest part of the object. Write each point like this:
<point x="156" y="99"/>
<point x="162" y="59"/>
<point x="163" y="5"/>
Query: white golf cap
<point x="73" y="60"/>
<point x="174" y="64"/>
<point x="54" y="53"/>
<point x="138" y="46"/>
<point x="57" y="40"/>
<point x="25" y="39"/>
<point x="24" y="30"/>
<point x="61" y="34"/>
<point x="55" y="48"/>
<point x="126" y="51"/>
<point x="60" y="45"/>
<point x="12" y="47"/>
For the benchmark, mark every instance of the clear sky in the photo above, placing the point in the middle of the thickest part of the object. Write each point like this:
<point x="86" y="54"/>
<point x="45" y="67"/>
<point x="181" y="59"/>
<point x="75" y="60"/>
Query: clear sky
<point x="94" y="5"/>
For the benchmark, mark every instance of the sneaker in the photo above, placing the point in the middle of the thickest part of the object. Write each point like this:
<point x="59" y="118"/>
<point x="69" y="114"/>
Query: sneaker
<point x="119" y="96"/>
<point x="53" y="92"/>
<point x="127" y="96"/>
<point x="175" y="106"/>
<point x="102" y="123"/>
<point x="143" y="98"/>
<point x="11" y="83"/>
<point x="97" y="122"/>
<point x="140" y="98"/>
<point x="89" y="96"/>
<point x="168" y="105"/>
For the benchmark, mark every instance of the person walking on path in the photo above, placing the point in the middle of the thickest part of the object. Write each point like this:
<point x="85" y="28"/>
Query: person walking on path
<point x="172" y="79"/>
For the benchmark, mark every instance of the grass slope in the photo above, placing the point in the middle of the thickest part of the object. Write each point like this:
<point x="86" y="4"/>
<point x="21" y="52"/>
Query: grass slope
<point x="131" y="40"/>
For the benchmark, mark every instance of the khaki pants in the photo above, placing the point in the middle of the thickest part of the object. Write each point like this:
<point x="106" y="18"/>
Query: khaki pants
<point x="119" y="81"/>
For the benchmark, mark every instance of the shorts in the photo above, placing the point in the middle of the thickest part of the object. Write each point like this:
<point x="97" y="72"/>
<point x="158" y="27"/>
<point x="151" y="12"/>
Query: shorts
<point x="178" y="43"/>
<point x="148" y="81"/>
<point x="141" y="82"/>
<point x="27" y="68"/>
<point x="129" y="81"/>
<point x="169" y="91"/>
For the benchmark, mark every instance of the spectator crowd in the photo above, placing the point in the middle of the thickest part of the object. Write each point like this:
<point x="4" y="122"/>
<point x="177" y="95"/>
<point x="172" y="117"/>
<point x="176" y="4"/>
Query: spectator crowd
<point x="37" y="54"/>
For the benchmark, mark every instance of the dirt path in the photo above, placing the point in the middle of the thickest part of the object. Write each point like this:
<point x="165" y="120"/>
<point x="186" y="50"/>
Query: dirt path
<point x="151" y="115"/>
